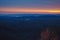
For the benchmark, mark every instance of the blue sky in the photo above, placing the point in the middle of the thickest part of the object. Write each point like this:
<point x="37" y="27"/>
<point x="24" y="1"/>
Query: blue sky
<point x="32" y="6"/>
<point x="30" y="3"/>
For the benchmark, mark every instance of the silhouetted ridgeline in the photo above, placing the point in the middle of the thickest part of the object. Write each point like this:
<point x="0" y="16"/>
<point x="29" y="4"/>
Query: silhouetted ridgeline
<point x="26" y="27"/>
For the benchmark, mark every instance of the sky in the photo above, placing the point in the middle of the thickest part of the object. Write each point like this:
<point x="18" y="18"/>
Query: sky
<point x="30" y="6"/>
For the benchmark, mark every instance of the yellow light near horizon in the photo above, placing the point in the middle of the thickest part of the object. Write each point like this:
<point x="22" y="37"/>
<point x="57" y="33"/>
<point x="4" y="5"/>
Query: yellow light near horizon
<point x="15" y="10"/>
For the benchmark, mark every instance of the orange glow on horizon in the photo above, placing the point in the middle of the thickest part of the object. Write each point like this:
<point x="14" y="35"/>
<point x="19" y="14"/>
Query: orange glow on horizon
<point x="28" y="10"/>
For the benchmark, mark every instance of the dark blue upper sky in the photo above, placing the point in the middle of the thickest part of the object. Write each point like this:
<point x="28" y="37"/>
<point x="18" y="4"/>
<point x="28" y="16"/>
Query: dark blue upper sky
<point x="30" y="3"/>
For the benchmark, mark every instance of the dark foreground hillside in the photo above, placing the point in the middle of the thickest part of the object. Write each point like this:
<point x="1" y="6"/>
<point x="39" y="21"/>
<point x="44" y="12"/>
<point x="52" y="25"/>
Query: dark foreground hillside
<point x="26" y="27"/>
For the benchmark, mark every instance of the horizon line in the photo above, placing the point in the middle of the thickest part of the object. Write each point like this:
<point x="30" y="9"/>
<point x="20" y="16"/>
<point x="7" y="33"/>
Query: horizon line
<point x="29" y="10"/>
